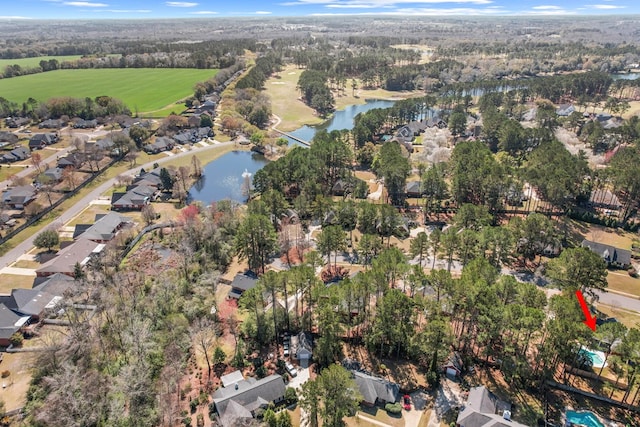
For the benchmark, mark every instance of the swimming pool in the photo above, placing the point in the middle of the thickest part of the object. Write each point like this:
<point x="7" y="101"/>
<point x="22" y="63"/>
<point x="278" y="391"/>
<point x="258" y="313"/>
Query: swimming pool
<point x="597" y="357"/>
<point x="583" y="418"/>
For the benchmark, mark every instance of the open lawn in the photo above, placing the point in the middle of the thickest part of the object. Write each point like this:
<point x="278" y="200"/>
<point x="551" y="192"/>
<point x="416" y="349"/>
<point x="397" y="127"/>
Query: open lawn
<point x="630" y="319"/>
<point x="619" y="280"/>
<point x="15" y="281"/>
<point x="141" y="89"/>
<point x="35" y="62"/>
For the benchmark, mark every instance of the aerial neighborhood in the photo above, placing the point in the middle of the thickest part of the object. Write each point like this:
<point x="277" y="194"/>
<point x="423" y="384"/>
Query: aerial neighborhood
<point x="376" y="220"/>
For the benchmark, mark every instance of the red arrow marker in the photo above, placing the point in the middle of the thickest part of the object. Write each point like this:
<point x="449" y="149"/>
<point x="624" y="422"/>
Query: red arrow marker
<point x="590" y="321"/>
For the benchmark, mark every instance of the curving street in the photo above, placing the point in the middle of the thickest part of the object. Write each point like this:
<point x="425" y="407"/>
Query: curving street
<point x="11" y="256"/>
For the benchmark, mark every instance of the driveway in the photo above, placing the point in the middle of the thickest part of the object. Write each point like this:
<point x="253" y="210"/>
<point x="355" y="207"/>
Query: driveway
<point x="301" y="378"/>
<point x="418" y="404"/>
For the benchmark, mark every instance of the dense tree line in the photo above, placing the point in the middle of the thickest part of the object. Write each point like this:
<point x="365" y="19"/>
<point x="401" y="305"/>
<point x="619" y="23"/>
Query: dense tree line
<point x="260" y="72"/>
<point x="315" y="91"/>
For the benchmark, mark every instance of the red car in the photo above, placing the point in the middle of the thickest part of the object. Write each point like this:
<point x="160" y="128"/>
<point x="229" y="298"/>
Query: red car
<point x="406" y="402"/>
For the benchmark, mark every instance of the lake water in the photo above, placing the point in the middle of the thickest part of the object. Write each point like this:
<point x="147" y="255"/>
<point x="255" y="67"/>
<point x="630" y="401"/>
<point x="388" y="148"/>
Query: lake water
<point x="629" y="76"/>
<point x="223" y="177"/>
<point x="342" y="119"/>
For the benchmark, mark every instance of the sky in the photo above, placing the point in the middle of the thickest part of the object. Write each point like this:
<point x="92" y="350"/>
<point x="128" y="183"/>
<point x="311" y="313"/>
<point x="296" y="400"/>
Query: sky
<point x="149" y="9"/>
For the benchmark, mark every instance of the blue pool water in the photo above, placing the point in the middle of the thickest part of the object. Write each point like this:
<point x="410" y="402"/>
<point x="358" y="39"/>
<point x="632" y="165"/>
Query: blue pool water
<point x="583" y="418"/>
<point x="597" y="358"/>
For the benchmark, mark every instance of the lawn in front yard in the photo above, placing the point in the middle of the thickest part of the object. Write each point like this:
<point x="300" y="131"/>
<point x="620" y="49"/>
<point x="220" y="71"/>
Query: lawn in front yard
<point x="619" y="280"/>
<point x="15" y="281"/>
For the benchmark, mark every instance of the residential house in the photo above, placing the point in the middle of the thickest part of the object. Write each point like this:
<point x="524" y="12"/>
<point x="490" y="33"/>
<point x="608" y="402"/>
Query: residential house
<point x="16" y="155"/>
<point x="80" y="252"/>
<point x="10" y="323"/>
<point x="8" y="138"/>
<point x="194" y="121"/>
<point x="565" y="110"/>
<point x="19" y="197"/>
<point x="51" y="124"/>
<point x="56" y="284"/>
<point x="453" y="366"/>
<point x="242" y="398"/>
<point x="41" y="140"/>
<point x="135" y="198"/>
<point x="241" y="283"/>
<point x="375" y="390"/>
<point x="341" y="187"/>
<point x="484" y="409"/>
<point x="159" y="145"/>
<point x="413" y="189"/>
<point x="182" y="138"/>
<point x="601" y="198"/>
<point x="104" y="229"/>
<point x="303" y="349"/>
<point x="436" y="122"/>
<point x="30" y="302"/>
<point x="16" y="122"/>
<point x="74" y="160"/>
<point x="85" y="124"/>
<point x="614" y="257"/>
<point x="52" y="174"/>
<point x="289" y="216"/>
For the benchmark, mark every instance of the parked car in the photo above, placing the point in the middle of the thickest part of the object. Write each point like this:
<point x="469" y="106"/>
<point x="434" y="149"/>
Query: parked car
<point x="291" y="369"/>
<point x="406" y="402"/>
<point x="286" y="349"/>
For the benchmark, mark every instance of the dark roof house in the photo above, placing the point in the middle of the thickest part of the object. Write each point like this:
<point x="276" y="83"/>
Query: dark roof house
<point x="484" y="409"/>
<point x="376" y="391"/>
<point x="241" y="283"/>
<point x="104" y="229"/>
<point x="10" y="323"/>
<point x="244" y="397"/>
<point x="614" y="257"/>
<point x="565" y="110"/>
<point x="53" y="174"/>
<point x="65" y="262"/>
<point x="135" y="198"/>
<point x="413" y="189"/>
<point x="15" y="155"/>
<point x="19" y="197"/>
<point x="30" y="302"/>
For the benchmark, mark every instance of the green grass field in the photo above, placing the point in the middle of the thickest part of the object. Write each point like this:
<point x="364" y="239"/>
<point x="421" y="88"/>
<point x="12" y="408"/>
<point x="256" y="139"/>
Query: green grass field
<point x="143" y="90"/>
<point x="34" y="62"/>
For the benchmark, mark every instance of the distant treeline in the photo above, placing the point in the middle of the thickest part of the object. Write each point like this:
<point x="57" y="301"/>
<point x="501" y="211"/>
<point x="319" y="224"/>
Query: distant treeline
<point x="202" y="55"/>
<point x="65" y="107"/>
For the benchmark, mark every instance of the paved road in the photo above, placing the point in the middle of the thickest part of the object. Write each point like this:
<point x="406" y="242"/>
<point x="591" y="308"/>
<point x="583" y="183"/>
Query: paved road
<point x="619" y="301"/>
<point x="11" y="256"/>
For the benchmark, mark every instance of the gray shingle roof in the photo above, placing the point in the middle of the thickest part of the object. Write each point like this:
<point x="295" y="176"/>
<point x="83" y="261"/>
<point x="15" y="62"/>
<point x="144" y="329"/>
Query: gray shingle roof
<point x="484" y="409"/>
<point x="29" y="302"/>
<point x="609" y="253"/>
<point x="79" y="252"/>
<point x="374" y="388"/>
<point x="248" y="392"/>
<point x="105" y="228"/>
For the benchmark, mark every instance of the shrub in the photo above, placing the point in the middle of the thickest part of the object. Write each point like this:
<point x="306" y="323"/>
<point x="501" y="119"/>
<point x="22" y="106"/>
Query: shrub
<point x="290" y="396"/>
<point x="193" y="405"/>
<point x="16" y="339"/>
<point x="393" y="408"/>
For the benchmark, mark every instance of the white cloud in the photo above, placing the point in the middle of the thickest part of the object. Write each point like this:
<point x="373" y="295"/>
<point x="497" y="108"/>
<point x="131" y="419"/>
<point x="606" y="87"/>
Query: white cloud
<point x="3" y="17"/>
<point x="203" y="12"/>
<point x="181" y="4"/>
<point x="263" y="12"/>
<point x="545" y="7"/>
<point x="549" y="12"/>
<point x="84" y="4"/>
<point x="605" y="6"/>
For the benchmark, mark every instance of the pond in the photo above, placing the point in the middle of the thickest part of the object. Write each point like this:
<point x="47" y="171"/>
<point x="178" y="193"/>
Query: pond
<point x="223" y="177"/>
<point x="341" y="119"/>
<point x="628" y="76"/>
